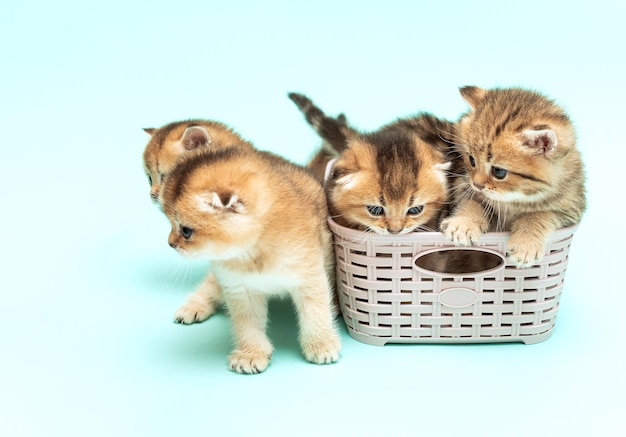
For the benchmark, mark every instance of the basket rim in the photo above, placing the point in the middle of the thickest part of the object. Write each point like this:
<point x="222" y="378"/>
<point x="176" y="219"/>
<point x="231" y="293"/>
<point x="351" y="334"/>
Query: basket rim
<point x="360" y="236"/>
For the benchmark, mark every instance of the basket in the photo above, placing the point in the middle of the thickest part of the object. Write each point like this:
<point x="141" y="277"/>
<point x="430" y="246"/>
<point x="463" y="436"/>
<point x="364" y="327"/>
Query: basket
<point x="390" y="291"/>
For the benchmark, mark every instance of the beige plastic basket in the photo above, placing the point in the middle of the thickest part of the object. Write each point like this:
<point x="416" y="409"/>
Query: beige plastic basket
<point x="390" y="292"/>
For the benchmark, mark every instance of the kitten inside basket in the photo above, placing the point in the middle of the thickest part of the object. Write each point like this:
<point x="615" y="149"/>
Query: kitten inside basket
<point x="391" y="181"/>
<point x="524" y="172"/>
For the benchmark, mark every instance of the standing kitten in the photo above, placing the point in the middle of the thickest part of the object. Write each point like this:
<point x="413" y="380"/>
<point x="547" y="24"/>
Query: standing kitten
<point x="177" y="139"/>
<point x="525" y="173"/>
<point x="390" y="181"/>
<point x="261" y="221"/>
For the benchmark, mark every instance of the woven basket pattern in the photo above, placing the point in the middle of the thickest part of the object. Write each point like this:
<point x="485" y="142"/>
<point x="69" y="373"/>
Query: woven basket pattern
<point x="385" y="298"/>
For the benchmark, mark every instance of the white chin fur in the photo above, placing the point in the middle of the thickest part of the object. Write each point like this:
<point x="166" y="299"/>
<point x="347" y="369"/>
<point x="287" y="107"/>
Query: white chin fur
<point x="185" y="254"/>
<point x="220" y="254"/>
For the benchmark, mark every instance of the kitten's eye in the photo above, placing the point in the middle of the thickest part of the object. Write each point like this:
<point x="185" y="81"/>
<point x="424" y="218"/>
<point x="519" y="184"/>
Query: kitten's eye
<point x="498" y="173"/>
<point x="471" y="161"/>
<point x="376" y="211"/>
<point x="186" y="232"/>
<point x="149" y="179"/>
<point x="416" y="210"/>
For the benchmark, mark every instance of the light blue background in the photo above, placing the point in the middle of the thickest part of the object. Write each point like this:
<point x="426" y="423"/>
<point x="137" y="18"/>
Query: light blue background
<point x="89" y="284"/>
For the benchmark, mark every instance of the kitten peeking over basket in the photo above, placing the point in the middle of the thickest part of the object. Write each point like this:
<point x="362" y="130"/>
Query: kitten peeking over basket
<point x="391" y="181"/>
<point x="261" y="221"/>
<point x="174" y="140"/>
<point x="525" y="174"/>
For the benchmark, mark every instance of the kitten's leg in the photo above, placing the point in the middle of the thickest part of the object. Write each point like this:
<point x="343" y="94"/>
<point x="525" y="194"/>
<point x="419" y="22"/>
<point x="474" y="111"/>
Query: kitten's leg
<point x="253" y="349"/>
<point x="202" y="304"/>
<point x="528" y="237"/>
<point x="467" y="224"/>
<point x="318" y="337"/>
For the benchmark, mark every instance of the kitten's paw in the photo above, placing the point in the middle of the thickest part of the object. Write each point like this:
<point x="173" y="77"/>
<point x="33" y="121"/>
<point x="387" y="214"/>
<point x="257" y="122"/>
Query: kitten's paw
<point x="322" y="351"/>
<point x="460" y="230"/>
<point x="194" y="312"/>
<point x="525" y="250"/>
<point x="248" y="362"/>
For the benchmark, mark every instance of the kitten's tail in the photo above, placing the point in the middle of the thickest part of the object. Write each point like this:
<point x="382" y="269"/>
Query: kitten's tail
<point x="334" y="131"/>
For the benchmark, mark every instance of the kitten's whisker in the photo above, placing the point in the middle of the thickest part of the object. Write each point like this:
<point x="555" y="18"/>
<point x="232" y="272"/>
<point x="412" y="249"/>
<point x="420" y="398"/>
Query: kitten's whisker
<point x="336" y="215"/>
<point x="425" y="228"/>
<point x="450" y="173"/>
<point x="450" y="135"/>
<point x="364" y="234"/>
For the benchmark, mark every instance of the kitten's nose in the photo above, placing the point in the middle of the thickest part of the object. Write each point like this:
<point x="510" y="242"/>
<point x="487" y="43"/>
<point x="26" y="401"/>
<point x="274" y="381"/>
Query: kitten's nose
<point x="172" y="244"/>
<point x="394" y="229"/>
<point x="478" y="186"/>
<point x="154" y="195"/>
<point x="395" y="225"/>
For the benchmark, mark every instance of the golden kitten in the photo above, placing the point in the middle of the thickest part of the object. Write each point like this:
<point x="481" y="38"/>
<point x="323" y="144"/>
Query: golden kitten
<point x="525" y="174"/>
<point x="261" y="222"/>
<point x="388" y="182"/>
<point x="391" y="181"/>
<point x="174" y="140"/>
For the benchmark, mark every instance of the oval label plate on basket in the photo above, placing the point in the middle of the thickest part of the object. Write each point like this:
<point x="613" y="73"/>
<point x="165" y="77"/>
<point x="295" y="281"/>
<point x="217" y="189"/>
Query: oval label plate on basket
<point x="457" y="297"/>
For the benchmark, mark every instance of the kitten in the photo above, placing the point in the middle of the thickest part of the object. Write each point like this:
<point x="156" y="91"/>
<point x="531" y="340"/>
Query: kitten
<point x="525" y="174"/>
<point x="390" y="181"/>
<point x="261" y="222"/>
<point x="168" y="143"/>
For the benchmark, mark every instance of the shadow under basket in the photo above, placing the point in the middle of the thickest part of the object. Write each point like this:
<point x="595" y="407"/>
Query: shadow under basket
<point x="399" y="289"/>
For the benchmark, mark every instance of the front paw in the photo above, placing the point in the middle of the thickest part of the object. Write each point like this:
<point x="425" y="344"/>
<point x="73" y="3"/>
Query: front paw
<point x="460" y="230"/>
<point x="525" y="250"/>
<point x="248" y="362"/>
<point x="194" y="312"/>
<point x="322" y="351"/>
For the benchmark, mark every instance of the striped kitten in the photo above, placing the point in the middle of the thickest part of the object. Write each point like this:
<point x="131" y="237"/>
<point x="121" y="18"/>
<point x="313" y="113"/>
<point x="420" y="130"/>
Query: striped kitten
<point x="525" y="174"/>
<point x="390" y="181"/>
<point x="261" y="222"/>
<point x="168" y="143"/>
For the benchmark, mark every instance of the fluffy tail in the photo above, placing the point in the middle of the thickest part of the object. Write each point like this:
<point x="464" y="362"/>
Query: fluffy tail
<point x="334" y="131"/>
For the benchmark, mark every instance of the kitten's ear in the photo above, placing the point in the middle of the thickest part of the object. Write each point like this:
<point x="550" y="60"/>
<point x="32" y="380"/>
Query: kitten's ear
<point x="212" y="201"/>
<point x="149" y="130"/>
<point x="343" y="174"/>
<point x="442" y="166"/>
<point x="195" y="137"/>
<point x="542" y="141"/>
<point x="441" y="170"/>
<point x="472" y="95"/>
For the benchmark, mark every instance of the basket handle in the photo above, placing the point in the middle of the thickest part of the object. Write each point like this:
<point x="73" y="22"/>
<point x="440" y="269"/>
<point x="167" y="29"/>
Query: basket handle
<point x="459" y="262"/>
